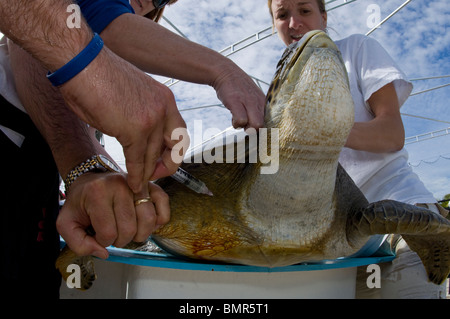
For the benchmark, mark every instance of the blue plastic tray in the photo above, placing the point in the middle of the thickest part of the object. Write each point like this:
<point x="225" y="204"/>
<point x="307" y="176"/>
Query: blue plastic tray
<point x="163" y="260"/>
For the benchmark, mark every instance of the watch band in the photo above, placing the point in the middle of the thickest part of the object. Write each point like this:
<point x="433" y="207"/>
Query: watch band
<point x="93" y="163"/>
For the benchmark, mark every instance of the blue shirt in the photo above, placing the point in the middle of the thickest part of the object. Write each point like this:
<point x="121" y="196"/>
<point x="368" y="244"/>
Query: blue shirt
<point x="100" y="13"/>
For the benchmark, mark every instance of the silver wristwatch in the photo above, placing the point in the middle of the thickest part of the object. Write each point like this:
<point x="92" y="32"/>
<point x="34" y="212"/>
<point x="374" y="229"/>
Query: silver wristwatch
<point x="96" y="162"/>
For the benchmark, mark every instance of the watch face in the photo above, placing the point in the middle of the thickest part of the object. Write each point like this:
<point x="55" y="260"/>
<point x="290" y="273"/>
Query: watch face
<point x="108" y="163"/>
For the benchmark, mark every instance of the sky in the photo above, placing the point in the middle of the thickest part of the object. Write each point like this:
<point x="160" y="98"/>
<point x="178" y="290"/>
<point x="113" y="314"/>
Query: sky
<point x="417" y="37"/>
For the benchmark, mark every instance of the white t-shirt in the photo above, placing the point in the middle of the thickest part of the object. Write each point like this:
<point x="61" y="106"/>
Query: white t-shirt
<point x="8" y="90"/>
<point x="378" y="175"/>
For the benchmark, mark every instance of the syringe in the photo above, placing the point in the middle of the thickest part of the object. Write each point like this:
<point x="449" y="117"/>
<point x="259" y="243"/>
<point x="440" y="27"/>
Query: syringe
<point x="191" y="182"/>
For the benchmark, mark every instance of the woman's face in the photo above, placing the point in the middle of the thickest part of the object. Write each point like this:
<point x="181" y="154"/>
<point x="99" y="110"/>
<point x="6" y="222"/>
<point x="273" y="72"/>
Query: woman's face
<point x="142" y="7"/>
<point x="294" y="18"/>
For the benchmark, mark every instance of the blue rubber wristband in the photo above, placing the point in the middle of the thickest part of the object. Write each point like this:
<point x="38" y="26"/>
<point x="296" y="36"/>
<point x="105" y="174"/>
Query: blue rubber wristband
<point x="78" y="63"/>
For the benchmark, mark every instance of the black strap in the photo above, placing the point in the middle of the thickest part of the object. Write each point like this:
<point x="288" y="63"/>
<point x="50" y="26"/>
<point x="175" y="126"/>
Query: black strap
<point x="14" y="119"/>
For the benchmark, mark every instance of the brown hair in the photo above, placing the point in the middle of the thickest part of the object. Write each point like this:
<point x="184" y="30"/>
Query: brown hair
<point x="321" y="4"/>
<point x="156" y="14"/>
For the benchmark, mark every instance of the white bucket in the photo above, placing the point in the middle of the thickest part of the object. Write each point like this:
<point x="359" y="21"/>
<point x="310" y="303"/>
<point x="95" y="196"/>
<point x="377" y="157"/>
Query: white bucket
<point x="136" y="275"/>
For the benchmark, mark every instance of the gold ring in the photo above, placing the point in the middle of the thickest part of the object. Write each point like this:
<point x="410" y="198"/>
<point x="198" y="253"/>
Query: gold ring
<point x="143" y="200"/>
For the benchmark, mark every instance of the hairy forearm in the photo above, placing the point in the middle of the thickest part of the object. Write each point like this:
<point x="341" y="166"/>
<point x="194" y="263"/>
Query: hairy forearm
<point x="156" y="50"/>
<point x="68" y="137"/>
<point x="40" y="27"/>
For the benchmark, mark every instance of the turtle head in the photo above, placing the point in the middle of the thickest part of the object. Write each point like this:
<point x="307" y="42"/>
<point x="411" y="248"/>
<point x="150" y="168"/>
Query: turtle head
<point x="309" y="99"/>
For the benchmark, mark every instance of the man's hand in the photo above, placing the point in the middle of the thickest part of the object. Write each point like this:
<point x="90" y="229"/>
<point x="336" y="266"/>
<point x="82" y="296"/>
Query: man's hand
<point x="104" y="202"/>
<point x="129" y="105"/>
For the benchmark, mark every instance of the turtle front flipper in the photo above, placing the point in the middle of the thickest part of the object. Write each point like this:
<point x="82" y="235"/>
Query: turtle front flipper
<point x="426" y="233"/>
<point x="86" y="263"/>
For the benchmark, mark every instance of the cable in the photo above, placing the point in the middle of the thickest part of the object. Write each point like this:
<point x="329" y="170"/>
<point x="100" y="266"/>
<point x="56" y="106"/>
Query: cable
<point x="428" y="90"/>
<point x="431" y="78"/>
<point x="425" y="118"/>
<point x="425" y="161"/>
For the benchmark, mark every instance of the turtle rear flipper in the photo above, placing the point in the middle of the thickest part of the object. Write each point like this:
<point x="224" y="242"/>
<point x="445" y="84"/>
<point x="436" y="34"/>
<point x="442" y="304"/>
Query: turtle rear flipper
<point x="434" y="251"/>
<point x="426" y="233"/>
<point x="86" y="263"/>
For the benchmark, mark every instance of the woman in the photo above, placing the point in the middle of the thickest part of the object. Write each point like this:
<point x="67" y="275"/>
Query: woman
<point x="373" y="155"/>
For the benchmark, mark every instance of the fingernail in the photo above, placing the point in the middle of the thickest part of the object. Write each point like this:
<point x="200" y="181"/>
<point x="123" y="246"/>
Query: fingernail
<point x="100" y="254"/>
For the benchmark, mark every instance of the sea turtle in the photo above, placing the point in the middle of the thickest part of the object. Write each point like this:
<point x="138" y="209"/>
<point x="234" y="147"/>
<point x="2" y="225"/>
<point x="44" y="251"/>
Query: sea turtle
<point x="308" y="210"/>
